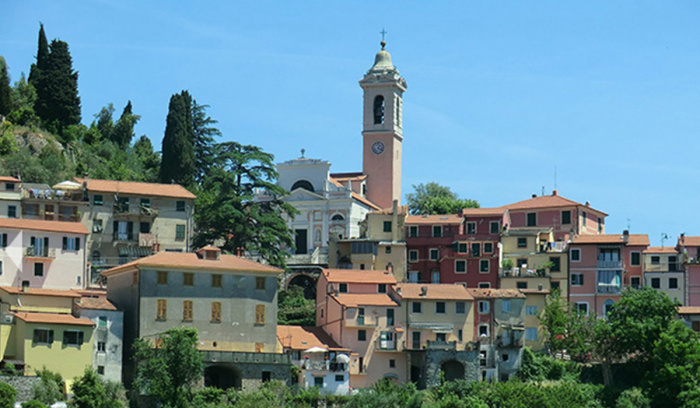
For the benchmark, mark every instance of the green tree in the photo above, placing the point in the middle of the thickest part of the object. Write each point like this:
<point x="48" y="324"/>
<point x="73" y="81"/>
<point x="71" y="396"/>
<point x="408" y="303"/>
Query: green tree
<point x="226" y="209"/>
<point x="632" y="398"/>
<point x="294" y="309"/>
<point x="178" y="157"/>
<point x="170" y="371"/>
<point x="432" y="198"/>
<point x="123" y="131"/>
<point x="58" y="103"/>
<point x="149" y="159"/>
<point x="50" y="389"/>
<point x="104" y="122"/>
<point x="7" y="395"/>
<point x="91" y="391"/>
<point x="5" y="89"/>
<point x="204" y="134"/>
<point x="23" y="98"/>
<point x="34" y="404"/>
<point x="42" y="57"/>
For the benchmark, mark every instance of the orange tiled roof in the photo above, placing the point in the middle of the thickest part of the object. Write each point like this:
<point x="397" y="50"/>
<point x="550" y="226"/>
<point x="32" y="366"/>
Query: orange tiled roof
<point x="689" y="241"/>
<point x="91" y="292"/>
<point x="95" y="303"/>
<point x="358" y="276"/>
<point x="434" y="219"/>
<point x="402" y="210"/>
<point x="660" y="250"/>
<point x="190" y="261"/>
<point x="135" y="188"/>
<point x="688" y="310"/>
<point x="547" y="201"/>
<point x="41" y="225"/>
<point x="434" y="291"/>
<point x="364" y="299"/>
<point x="54" y="318"/>
<point x="365" y="201"/>
<point x="359" y="176"/>
<point x="305" y="337"/>
<point x="484" y="212"/>
<point x="495" y="293"/>
<point x="40" y="292"/>
<point x="634" y="239"/>
<point x="535" y="291"/>
<point x="10" y="179"/>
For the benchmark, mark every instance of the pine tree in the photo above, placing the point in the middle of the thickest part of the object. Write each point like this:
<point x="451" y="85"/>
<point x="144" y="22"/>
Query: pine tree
<point x="104" y="123"/>
<point x="42" y="56"/>
<point x="178" y="163"/>
<point x="124" y="129"/>
<point x="204" y="133"/>
<point x="5" y="90"/>
<point x="58" y="103"/>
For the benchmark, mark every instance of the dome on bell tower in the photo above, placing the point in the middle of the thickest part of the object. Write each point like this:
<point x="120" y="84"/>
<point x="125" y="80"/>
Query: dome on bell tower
<point x="382" y="61"/>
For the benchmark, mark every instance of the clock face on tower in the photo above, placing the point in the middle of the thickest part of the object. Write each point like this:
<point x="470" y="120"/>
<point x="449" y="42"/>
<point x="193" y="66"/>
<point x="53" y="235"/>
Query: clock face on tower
<point x="378" y="148"/>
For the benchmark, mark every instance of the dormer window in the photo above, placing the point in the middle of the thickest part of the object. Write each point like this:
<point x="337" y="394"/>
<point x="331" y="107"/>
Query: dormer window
<point x="378" y="110"/>
<point x="209" y="253"/>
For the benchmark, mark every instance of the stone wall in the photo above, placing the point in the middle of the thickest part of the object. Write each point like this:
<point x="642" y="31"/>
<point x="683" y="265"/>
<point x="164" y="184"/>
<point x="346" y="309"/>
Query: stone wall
<point x="23" y="385"/>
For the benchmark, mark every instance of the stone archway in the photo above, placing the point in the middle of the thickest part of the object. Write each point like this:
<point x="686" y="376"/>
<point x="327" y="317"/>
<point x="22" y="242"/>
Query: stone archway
<point x="306" y="282"/>
<point x="452" y="370"/>
<point x="223" y="376"/>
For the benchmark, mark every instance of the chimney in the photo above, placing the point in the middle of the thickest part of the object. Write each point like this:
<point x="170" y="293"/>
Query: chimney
<point x="539" y="286"/>
<point x="625" y="236"/>
<point x="555" y="192"/>
<point x="534" y="195"/>
<point x="25" y="286"/>
<point x="424" y="291"/>
<point x="682" y="238"/>
<point x="588" y="203"/>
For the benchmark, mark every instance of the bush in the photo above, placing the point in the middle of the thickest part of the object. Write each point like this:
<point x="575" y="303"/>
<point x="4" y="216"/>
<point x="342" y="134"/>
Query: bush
<point x="50" y="389"/>
<point x="34" y="404"/>
<point x="7" y="395"/>
<point x="632" y="398"/>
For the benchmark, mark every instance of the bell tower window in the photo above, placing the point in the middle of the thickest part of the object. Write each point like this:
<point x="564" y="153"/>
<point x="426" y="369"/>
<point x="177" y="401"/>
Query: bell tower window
<point x="378" y="110"/>
<point x="397" y="111"/>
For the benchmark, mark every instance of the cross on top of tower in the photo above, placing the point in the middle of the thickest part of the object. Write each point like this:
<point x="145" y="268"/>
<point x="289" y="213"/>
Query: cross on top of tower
<point x="383" y="33"/>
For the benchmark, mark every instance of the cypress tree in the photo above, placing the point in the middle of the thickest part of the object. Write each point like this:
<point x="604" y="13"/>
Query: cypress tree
<point x="124" y="129"/>
<point x="178" y="163"/>
<point x="5" y="90"/>
<point x="58" y="102"/>
<point x="42" y="56"/>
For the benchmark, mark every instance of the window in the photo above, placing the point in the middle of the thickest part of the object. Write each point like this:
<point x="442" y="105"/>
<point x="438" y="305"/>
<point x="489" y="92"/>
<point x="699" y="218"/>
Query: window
<point x="216" y="281"/>
<point x="505" y="305"/>
<point x="180" y="206"/>
<point x="9" y="186"/>
<point x="260" y="314"/>
<point x="378" y="110"/>
<point x="483" y="330"/>
<point x="521" y="285"/>
<point x="672" y="263"/>
<point x="97" y="199"/>
<point x="416" y="307"/>
<point x="362" y="266"/>
<point x="460" y="308"/>
<point x="3" y="240"/>
<point x="488" y="247"/>
<point x="609" y="281"/>
<point x="531" y="219"/>
<point x="531" y="310"/>
<point x="415" y="340"/>
<point x="635" y="282"/>
<point x="494" y="227"/>
<point x="102" y="321"/>
<point x="97" y="226"/>
<point x="162" y="309"/>
<point x="483" y="306"/>
<point x="387" y="249"/>
<point x="71" y="244"/>
<point x="162" y="278"/>
<point x="583" y="221"/>
<point x="521" y="263"/>
<point x="522" y="242"/>
<point x="216" y="312"/>
<point x="655" y="260"/>
<point x="442" y="337"/>
<point x="392" y="363"/>
<point x="607" y="306"/>
<point x="484" y="285"/>
<point x="555" y="286"/>
<point x="673" y="283"/>
<point x="390" y="317"/>
<point x="381" y="288"/>
<point x="440" y="307"/>
<point x="471" y="228"/>
<point x="462" y="247"/>
<point x="484" y="265"/>
<point x="476" y="249"/>
<point x="566" y="217"/>
<point x="531" y="333"/>
<point x="460" y="335"/>
<point x="505" y="357"/>
<point x="575" y="255"/>
<point x="101" y="370"/>
<point x="188" y="279"/>
<point x="187" y="310"/>
<point x="43" y="336"/>
<point x="556" y="264"/>
<point x="144" y="227"/>
<point x="576" y="279"/>
<point x="343" y="287"/>
<point x="101" y="346"/>
<point x="362" y="335"/>
<point x="362" y="364"/>
<point x="437" y="231"/>
<point x="180" y="232"/>
<point x="413" y="255"/>
<point x="634" y="258"/>
<point x="581" y="307"/>
<point x="413" y="231"/>
<point x="656" y="283"/>
<point x="339" y="377"/>
<point x="38" y="269"/>
<point x="460" y="266"/>
<point x="259" y="283"/>
<point x="434" y="254"/>
<point x="387" y="226"/>
<point x="72" y="338"/>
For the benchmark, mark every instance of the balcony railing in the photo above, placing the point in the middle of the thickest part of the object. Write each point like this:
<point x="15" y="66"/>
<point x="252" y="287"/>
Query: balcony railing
<point x="134" y="210"/>
<point x="609" y="264"/>
<point x="54" y="195"/>
<point x="324" y="366"/>
<point x="34" y="252"/>
<point x="608" y="288"/>
<point x="124" y="236"/>
<point x="387" y="345"/>
<point x="362" y="321"/>
<point x="523" y="273"/>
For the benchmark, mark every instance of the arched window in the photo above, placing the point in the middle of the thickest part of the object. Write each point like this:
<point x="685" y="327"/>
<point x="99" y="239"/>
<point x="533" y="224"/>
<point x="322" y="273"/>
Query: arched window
<point x="303" y="184"/>
<point x="378" y="110"/>
<point x="337" y="217"/>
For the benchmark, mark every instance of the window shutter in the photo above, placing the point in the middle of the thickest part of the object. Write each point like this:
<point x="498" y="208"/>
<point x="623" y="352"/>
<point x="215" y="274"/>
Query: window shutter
<point x="46" y="243"/>
<point x="65" y="243"/>
<point x="581" y="279"/>
<point x="32" y="241"/>
<point x="50" y="336"/>
<point x="115" y="226"/>
<point x="4" y="240"/>
<point x="77" y="244"/>
<point x="80" y="338"/>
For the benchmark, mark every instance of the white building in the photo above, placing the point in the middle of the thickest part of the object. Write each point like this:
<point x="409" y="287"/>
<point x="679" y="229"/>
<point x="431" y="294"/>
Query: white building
<point x="107" y="338"/>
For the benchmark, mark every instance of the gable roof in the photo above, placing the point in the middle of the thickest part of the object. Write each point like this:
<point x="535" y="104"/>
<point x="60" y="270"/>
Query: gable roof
<point x="661" y="250"/>
<point x="689" y="241"/>
<point x="191" y="262"/>
<point x="438" y="219"/>
<point x="483" y="212"/>
<point x="364" y="299"/>
<point x="42" y="225"/>
<point x="547" y="201"/>
<point x="634" y="239"/>
<point x="40" y="292"/>
<point x="441" y="291"/>
<point x="53" y="318"/>
<point x="10" y="179"/>
<point x="136" y="188"/>
<point x="95" y="304"/>
<point x="305" y="337"/>
<point x="358" y="276"/>
<point x="495" y="293"/>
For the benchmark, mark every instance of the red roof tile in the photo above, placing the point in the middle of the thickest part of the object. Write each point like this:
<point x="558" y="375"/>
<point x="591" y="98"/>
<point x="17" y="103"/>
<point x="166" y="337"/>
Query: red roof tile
<point x="41" y="225"/>
<point x="689" y="241"/>
<point x="40" y="292"/>
<point x="54" y="318"/>
<point x="495" y="293"/>
<point x="95" y="303"/>
<point x="546" y="201"/>
<point x="440" y="219"/>
<point x="10" y="179"/>
<point x="634" y="239"/>
<point x="135" y="188"/>
<point x="689" y="310"/>
<point x="358" y="276"/>
<point x="483" y="212"/>
<point x="660" y="250"/>
<point x="434" y="291"/>
<point x="362" y="299"/>
<point x="305" y="337"/>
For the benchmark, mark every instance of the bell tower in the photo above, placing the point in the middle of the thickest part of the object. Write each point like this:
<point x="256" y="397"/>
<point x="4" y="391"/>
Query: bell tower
<point x="382" y="130"/>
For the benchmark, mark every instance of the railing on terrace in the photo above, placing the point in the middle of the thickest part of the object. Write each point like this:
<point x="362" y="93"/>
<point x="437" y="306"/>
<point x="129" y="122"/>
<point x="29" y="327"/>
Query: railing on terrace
<point x="523" y="273"/>
<point x="54" y="195"/>
<point x="604" y="264"/>
<point x="34" y="252"/>
<point x="324" y="366"/>
<point x="388" y="345"/>
<point x="608" y="288"/>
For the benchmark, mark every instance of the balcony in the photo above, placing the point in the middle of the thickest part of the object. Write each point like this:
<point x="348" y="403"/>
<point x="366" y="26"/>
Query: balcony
<point x="54" y="195"/>
<point x="608" y="288"/>
<point x="361" y="321"/>
<point x="124" y="236"/>
<point x="324" y="366"/>
<point x="125" y="211"/>
<point x="522" y="273"/>
<point x="609" y="264"/>
<point x="40" y="253"/>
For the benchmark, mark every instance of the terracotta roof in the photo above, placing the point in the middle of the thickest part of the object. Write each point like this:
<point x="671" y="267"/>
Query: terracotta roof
<point x="535" y="291"/>
<point x="634" y="239"/>
<point x="190" y="261"/>
<point x="41" y="225"/>
<point x="10" y="179"/>
<point x="40" y="292"/>
<point x="95" y="303"/>
<point x="349" y="176"/>
<point x="402" y="210"/>
<point x="660" y="250"/>
<point x="305" y="337"/>
<point x="434" y="219"/>
<point x="547" y="201"/>
<point x="91" y="292"/>
<point x="135" y="188"/>
<point x="358" y="276"/>
<point x="689" y="241"/>
<point x="495" y="293"/>
<point x="364" y="299"/>
<point x="365" y="201"/>
<point x="434" y="291"/>
<point x="54" y="318"/>
<point x="484" y="212"/>
<point x="689" y="310"/>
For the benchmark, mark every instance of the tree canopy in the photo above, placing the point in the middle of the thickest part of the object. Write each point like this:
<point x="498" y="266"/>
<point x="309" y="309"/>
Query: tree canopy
<point x="178" y="164"/>
<point x="5" y="89"/>
<point x="57" y="103"/>
<point x="433" y="198"/>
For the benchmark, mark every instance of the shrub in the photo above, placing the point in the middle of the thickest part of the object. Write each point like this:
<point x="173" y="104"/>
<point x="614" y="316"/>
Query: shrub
<point x="50" y="389"/>
<point x="632" y="398"/>
<point x="7" y="395"/>
<point x="34" y="404"/>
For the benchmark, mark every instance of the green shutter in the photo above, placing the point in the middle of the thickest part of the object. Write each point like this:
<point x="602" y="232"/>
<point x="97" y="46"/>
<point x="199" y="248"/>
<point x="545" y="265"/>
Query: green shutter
<point x="65" y="243"/>
<point x="50" y="336"/>
<point x="77" y="244"/>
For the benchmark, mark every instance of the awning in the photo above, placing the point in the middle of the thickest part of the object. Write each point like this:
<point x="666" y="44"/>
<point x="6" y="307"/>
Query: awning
<point x="135" y="252"/>
<point x="68" y="185"/>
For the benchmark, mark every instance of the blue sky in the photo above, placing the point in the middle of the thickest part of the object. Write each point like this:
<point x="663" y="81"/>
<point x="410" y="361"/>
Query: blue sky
<point x="500" y="93"/>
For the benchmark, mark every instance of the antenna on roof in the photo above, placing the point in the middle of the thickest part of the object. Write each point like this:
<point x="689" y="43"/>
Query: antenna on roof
<point x="664" y="237"/>
<point x="542" y="190"/>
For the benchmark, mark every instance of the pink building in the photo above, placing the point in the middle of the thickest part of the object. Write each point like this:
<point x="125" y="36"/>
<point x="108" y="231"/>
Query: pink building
<point x="601" y="266"/>
<point x="564" y="216"/>
<point x="689" y="250"/>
